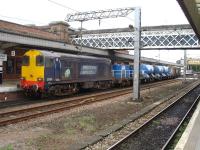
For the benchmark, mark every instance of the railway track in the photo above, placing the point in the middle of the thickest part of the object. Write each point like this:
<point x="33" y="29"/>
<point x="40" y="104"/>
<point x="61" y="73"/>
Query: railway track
<point x="28" y="101"/>
<point x="36" y="110"/>
<point x="158" y="132"/>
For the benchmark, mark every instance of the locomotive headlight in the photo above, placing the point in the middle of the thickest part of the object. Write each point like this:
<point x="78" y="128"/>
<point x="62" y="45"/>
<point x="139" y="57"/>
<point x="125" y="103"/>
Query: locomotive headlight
<point x="23" y="78"/>
<point x="39" y="79"/>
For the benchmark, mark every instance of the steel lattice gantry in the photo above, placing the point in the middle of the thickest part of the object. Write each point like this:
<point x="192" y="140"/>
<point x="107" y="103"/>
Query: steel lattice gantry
<point x="99" y="14"/>
<point x="157" y="39"/>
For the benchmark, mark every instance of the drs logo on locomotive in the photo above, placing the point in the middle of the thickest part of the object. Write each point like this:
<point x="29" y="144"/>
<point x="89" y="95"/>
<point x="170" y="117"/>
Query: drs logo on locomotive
<point x="88" y="70"/>
<point x="67" y="73"/>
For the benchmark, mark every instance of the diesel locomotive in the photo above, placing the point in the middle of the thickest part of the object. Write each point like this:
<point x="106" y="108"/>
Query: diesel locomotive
<point x="53" y="73"/>
<point x="45" y="72"/>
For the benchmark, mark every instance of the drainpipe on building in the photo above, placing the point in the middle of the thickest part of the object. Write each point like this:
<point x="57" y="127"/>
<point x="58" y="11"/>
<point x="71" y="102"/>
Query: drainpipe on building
<point x="1" y="72"/>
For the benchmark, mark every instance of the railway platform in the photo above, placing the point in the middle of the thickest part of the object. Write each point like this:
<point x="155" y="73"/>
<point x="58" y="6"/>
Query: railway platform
<point x="190" y="139"/>
<point x="9" y="86"/>
<point x="9" y="90"/>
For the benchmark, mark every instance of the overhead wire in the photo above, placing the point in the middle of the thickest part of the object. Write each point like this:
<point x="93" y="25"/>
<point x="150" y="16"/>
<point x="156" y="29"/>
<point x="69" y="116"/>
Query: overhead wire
<point x="59" y="4"/>
<point x="17" y="18"/>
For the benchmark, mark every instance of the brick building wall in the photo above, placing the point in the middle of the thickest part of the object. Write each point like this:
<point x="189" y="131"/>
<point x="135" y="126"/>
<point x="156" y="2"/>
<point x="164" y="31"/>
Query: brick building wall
<point x="59" y="28"/>
<point x="55" y="31"/>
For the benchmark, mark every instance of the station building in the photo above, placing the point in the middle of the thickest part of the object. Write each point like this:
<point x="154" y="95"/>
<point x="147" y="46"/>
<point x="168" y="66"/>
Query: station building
<point x="193" y="65"/>
<point x="57" y="31"/>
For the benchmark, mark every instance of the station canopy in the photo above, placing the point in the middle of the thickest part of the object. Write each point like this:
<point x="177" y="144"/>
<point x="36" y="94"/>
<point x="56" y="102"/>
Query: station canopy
<point x="191" y="8"/>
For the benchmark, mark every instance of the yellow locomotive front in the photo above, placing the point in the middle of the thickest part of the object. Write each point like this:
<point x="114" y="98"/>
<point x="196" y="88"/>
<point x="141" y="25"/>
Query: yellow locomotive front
<point x="32" y="76"/>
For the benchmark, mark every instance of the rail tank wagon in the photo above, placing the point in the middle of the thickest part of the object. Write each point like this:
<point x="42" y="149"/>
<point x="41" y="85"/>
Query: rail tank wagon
<point x="158" y="71"/>
<point x="147" y="71"/>
<point x="144" y="70"/>
<point x="166" y="71"/>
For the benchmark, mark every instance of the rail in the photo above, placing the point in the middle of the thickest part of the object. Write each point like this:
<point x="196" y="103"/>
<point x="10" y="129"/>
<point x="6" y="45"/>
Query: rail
<point x="157" y="132"/>
<point x="21" y="114"/>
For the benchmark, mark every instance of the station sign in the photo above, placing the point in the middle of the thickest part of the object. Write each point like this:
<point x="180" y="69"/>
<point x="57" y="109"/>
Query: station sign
<point x="193" y="62"/>
<point x="12" y="53"/>
<point x="3" y="57"/>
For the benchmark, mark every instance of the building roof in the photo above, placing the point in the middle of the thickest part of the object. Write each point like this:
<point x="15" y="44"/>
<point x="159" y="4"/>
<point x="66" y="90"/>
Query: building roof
<point x="32" y="31"/>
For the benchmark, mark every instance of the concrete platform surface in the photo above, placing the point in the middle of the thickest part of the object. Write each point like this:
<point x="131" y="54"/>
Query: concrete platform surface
<point x="190" y="139"/>
<point x="9" y="86"/>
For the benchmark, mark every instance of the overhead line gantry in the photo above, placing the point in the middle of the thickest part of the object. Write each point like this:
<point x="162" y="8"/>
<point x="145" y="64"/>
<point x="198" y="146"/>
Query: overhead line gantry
<point x="114" y="13"/>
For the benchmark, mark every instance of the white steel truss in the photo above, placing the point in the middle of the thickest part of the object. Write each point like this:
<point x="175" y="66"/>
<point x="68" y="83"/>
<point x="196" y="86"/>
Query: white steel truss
<point x="99" y="14"/>
<point x="159" y="39"/>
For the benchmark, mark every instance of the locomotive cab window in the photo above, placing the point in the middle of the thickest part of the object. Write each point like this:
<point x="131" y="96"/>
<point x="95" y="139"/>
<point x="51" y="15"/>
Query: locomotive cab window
<point x="39" y="60"/>
<point x="25" y="60"/>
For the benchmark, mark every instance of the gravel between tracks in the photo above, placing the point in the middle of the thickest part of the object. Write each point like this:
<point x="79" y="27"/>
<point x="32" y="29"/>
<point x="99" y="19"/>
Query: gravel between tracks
<point x="156" y="133"/>
<point x="76" y="128"/>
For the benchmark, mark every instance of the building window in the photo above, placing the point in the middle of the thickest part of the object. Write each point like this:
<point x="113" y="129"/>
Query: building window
<point x="18" y="65"/>
<point x="10" y="66"/>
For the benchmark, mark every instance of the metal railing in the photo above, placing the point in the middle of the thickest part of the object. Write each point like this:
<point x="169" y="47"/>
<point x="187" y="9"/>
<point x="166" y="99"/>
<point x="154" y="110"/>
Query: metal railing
<point x="120" y="74"/>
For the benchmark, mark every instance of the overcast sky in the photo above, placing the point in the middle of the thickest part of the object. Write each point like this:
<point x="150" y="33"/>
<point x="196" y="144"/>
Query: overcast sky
<point x="41" y="12"/>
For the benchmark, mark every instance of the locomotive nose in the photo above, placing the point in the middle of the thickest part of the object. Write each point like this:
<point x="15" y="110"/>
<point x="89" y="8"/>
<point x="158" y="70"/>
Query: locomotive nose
<point x="33" y="71"/>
